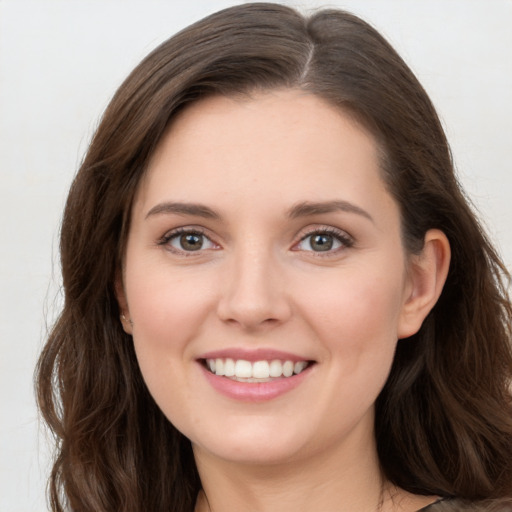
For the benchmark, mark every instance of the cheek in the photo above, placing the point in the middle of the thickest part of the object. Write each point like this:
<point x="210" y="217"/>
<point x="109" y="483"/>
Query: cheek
<point x="168" y="312"/>
<point x="166" y="305"/>
<point x="355" y="320"/>
<point x="357" y="308"/>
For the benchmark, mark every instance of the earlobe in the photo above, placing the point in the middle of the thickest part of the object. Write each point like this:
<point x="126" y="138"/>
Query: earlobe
<point x="427" y="274"/>
<point x="123" y="306"/>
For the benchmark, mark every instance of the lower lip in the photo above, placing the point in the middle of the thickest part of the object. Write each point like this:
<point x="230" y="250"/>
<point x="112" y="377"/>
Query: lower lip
<point x="254" y="391"/>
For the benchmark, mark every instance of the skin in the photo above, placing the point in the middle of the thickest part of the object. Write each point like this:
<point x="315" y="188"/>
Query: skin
<point x="257" y="282"/>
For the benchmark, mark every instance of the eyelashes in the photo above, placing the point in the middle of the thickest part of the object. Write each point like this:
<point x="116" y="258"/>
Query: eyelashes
<point x="324" y="241"/>
<point x="187" y="240"/>
<point x="321" y="241"/>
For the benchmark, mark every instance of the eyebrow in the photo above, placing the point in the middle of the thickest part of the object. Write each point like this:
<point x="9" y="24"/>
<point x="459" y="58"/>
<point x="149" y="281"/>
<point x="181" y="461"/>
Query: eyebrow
<point x="302" y="209"/>
<point x="307" y="208"/>
<point x="195" y="209"/>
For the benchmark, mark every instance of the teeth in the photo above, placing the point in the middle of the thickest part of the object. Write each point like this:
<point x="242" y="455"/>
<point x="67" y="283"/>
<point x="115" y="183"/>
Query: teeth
<point x="260" y="370"/>
<point x="219" y="367"/>
<point x="229" y="368"/>
<point x="276" y="368"/>
<point x="299" y="366"/>
<point x="242" y="369"/>
<point x="288" y="369"/>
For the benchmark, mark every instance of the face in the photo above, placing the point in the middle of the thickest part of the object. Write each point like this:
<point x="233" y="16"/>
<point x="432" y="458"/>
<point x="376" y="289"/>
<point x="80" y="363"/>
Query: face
<point x="265" y="278"/>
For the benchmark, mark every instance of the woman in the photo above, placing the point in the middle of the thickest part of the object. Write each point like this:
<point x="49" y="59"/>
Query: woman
<point x="276" y="295"/>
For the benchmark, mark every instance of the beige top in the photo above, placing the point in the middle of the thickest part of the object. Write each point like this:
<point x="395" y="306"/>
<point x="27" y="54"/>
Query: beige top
<point x="454" y="505"/>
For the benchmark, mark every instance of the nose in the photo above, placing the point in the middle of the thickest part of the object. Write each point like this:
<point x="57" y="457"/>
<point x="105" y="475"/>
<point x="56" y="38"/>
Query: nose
<point x="253" y="294"/>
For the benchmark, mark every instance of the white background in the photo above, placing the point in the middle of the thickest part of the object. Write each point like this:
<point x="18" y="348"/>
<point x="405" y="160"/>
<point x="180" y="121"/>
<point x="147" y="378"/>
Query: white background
<point x="61" y="61"/>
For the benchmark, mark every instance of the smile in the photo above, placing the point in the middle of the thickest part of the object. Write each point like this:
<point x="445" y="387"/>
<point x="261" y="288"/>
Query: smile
<point x="258" y="371"/>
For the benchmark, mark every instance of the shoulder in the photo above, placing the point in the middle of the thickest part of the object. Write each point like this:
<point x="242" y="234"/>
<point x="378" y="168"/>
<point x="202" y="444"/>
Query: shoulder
<point x="455" y="505"/>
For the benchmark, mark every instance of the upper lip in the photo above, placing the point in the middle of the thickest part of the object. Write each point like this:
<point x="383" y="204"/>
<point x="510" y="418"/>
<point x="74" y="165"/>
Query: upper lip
<point x="260" y="354"/>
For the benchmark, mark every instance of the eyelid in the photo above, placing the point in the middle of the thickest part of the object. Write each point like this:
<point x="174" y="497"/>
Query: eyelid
<point x="173" y="233"/>
<point x="342" y="236"/>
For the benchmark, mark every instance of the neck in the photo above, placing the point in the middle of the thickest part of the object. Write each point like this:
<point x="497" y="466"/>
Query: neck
<point x="346" y="482"/>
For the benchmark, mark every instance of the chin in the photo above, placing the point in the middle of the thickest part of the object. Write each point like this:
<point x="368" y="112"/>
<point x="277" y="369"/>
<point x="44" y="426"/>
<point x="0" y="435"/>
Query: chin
<point x="256" y="447"/>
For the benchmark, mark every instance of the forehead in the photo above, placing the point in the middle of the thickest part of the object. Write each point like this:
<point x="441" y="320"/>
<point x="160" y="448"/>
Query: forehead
<point x="279" y="146"/>
<point x="259" y="117"/>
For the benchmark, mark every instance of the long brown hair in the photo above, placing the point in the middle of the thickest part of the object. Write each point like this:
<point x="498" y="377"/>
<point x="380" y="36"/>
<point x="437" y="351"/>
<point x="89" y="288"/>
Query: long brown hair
<point x="444" y="418"/>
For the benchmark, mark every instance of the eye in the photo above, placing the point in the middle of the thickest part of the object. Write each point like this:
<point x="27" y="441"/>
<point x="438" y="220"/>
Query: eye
<point x="185" y="240"/>
<point x="324" y="241"/>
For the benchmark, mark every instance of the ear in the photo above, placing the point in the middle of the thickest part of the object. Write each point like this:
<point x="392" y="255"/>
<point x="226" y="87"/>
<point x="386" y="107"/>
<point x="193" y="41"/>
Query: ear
<point x="426" y="275"/>
<point x="123" y="304"/>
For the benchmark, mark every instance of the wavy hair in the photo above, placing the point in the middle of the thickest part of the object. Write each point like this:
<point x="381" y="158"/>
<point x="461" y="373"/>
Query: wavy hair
<point x="444" y="418"/>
